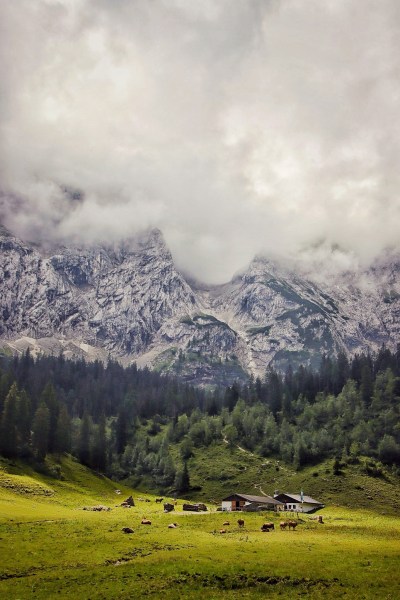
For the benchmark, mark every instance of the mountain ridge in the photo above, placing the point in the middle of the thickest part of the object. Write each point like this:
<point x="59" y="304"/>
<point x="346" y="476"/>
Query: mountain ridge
<point x="129" y="300"/>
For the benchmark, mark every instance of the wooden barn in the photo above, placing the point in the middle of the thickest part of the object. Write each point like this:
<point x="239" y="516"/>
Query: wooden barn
<point x="249" y="502"/>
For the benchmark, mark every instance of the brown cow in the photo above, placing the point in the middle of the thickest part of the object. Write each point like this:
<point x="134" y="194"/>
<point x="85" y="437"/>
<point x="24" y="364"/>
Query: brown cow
<point x="292" y="525"/>
<point x="240" y="522"/>
<point x="159" y="500"/>
<point x="127" y="530"/>
<point x="283" y="525"/>
<point x="267" y="526"/>
<point x="145" y="522"/>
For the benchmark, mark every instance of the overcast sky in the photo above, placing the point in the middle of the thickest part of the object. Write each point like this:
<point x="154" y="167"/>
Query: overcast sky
<point x="235" y="126"/>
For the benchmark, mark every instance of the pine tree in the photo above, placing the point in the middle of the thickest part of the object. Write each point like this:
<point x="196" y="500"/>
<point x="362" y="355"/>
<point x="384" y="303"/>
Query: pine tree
<point x="5" y="384"/>
<point x="366" y="386"/>
<point x="274" y="390"/>
<point x="63" y="431"/>
<point x="84" y="440"/>
<point x="40" y="431"/>
<point x="389" y="450"/>
<point x="49" y="397"/>
<point x="8" y="426"/>
<point x="99" y="449"/>
<point x="121" y="432"/>
<point x="24" y="422"/>
<point x="341" y="372"/>
<point x="182" y="479"/>
<point x="186" y="449"/>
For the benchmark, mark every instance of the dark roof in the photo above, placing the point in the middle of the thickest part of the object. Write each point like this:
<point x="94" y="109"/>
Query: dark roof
<point x="258" y="499"/>
<point x="297" y="498"/>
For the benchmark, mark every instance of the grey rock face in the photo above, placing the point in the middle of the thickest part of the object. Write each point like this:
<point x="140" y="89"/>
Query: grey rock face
<point x="130" y="301"/>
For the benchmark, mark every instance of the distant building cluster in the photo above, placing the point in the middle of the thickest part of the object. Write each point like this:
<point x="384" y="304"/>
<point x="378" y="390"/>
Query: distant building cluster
<point x="279" y="502"/>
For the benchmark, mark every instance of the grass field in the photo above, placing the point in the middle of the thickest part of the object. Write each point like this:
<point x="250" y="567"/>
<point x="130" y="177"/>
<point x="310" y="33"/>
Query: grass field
<point x="51" y="548"/>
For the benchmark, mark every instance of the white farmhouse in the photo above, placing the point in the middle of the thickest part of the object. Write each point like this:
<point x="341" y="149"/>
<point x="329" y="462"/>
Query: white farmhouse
<point x="298" y="502"/>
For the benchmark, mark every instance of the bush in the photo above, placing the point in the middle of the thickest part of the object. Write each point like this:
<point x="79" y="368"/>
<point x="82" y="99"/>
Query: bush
<point x="373" y="469"/>
<point x="389" y="450"/>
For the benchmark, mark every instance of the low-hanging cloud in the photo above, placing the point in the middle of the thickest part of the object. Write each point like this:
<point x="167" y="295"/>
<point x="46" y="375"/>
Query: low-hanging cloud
<point x="237" y="127"/>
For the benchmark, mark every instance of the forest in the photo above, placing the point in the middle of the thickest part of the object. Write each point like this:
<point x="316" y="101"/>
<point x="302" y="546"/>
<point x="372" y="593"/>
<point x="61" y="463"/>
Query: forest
<point x="124" y="421"/>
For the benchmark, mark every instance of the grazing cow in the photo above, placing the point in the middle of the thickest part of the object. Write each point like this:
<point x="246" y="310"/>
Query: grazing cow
<point x="145" y="522"/>
<point x="267" y="526"/>
<point x="222" y="530"/>
<point x="292" y="525"/>
<point x="172" y="525"/>
<point x="225" y="523"/>
<point x="240" y="522"/>
<point x="283" y="525"/>
<point x="128" y="502"/>
<point x="159" y="500"/>
<point x="127" y="530"/>
<point x="317" y="518"/>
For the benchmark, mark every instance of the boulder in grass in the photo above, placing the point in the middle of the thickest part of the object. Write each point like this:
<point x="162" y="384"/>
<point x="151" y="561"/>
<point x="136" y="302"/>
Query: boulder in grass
<point x="195" y="507"/>
<point x="191" y="507"/>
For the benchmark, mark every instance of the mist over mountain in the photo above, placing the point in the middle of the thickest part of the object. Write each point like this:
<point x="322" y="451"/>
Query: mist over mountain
<point x="129" y="300"/>
<point x="267" y="126"/>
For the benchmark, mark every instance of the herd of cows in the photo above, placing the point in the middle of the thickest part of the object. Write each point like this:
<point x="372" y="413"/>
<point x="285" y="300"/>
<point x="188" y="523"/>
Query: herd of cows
<point x="265" y="527"/>
<point x="168" y="507"/>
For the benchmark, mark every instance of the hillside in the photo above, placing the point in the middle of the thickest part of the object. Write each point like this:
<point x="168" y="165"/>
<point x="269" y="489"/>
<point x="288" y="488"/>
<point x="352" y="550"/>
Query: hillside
<point x="59" y="484"/>
<point x="217" y="471"/>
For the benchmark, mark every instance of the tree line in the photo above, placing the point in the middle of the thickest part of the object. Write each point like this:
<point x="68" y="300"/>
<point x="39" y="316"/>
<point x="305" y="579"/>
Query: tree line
<point x="124" y="421"/>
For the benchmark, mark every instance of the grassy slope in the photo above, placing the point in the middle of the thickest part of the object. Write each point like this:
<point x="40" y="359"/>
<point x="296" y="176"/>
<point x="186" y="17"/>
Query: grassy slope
<point x="50" y="547"/>
<point x="220" y="471"/>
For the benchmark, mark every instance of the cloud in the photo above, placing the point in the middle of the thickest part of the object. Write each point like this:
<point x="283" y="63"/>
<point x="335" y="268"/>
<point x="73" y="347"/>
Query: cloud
<point x="236" y="127"/>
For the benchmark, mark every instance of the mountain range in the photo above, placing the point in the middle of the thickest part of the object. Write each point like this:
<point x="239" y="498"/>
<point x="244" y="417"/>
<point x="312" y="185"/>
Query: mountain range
<point x="129" y="301"/>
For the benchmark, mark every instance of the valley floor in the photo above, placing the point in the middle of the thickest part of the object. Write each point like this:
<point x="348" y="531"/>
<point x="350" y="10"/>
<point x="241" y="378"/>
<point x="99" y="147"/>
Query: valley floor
<point x="51" y="548"/>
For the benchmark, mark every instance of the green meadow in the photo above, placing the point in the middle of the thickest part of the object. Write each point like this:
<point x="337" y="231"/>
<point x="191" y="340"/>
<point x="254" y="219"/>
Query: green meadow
<point x="51" y="548"/>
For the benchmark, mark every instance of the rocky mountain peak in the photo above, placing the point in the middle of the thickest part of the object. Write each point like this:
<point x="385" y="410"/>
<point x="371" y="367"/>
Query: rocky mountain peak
<point x="128" y="299"/>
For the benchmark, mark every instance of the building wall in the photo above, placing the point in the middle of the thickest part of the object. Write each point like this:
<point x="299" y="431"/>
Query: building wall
<point x="298" y="507"/>
<point x="233" y="504"/>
